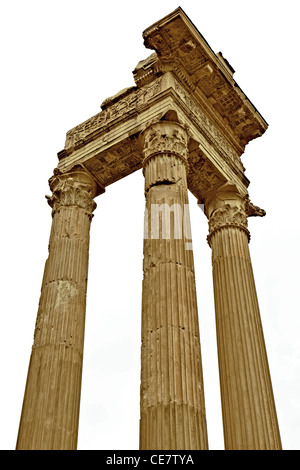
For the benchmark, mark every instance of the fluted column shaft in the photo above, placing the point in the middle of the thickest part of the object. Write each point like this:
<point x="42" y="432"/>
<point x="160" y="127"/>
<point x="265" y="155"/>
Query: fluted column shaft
<point x="172" y="396"/>
<point x="50" y="413"/>
<point x="249" y="414"/>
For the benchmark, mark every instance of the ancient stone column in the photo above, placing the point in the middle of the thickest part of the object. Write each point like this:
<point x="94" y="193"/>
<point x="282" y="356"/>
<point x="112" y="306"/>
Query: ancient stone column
<point x="249" y="414"/>
<point x="172" y="396"/>
<point x="49" y="419"/>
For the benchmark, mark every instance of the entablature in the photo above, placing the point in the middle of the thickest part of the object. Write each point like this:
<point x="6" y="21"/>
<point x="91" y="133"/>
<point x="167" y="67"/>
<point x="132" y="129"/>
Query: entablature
<point x="183" y="81"/>
<point x="108" y="143"/>
<point x="179" y="47"/>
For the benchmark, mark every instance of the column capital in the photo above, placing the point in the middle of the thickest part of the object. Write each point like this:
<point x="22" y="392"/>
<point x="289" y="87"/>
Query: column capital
<point x="74" y="188"/>
<point x="171" y="371"/>
<point x="165" y="137"/>
<point x="165" y="152"/>
<point x="249" y="414"/>
<point x="226" y="207"/>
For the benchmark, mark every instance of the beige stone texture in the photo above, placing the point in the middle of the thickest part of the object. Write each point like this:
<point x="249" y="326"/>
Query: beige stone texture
<point x="249" y="415"/>
<point x="172" y="394"/>
<point x="50" y="413"/>
<point x="186" y="123"/>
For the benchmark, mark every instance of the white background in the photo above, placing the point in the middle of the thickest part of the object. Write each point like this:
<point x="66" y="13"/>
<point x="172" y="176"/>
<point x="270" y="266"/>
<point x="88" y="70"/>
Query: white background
<point x="59" y="61"/>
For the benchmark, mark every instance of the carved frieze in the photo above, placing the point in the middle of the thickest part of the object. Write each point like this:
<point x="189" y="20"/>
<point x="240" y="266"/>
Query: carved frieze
<point x="117" y="162"/>
<point x="181" y="48"/>
<point x="113" y="113"/>
<point x="122" y="110"/>
<point x="165" y="154"/>
<point x="202" y="175"/>
<point x="165" y="137"/>
<point x="186" y="77"/>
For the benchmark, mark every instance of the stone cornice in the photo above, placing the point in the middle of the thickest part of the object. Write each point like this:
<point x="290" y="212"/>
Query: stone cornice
<point x="165" y="153"/>
<point x="183" y="81"/>
<point x="133" y="100"/>
<point x="226" y="206"/>
<point x="165" y="137"/>
<point x="103" y="134"/>
<point x="181" y="49"/>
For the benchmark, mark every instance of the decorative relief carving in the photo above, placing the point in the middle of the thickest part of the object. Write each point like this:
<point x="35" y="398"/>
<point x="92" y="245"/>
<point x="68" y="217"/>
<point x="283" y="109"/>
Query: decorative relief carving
<point x="69" y="192"/>
<point x="175" y="43"/>
<point x="202" y="175"/>
<point x="210" y="131"/>
<point x="226" y="216"/>
<point x="134" y="100"/>
<point x="130" y="103"/>
<point x="117" y="162"/>
<point x="165" y="153"/>
<point x="165" y="137"/>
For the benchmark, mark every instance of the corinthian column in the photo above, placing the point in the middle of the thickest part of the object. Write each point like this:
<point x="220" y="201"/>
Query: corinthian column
<point x="172" y="397"/>
<point x="49" y="419"/>
<point x="249" y="415"/>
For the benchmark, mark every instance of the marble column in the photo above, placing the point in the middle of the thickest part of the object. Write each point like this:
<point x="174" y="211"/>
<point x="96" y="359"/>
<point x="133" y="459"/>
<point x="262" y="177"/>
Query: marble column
<point x="249" y="414"/>
<point x="50" y="413"/>
<point x="172" y="397"/>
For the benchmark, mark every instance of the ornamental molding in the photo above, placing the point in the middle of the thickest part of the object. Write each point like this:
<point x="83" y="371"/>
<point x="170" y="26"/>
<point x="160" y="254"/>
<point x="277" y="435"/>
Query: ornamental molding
<point x="228" y="216"/>
<point x="68" y="192"/>
<point x="130" y="102"/>
<point x="167" y="138"/>
<point x="210" y="130"/>
<point x="185" y="77"/>
<point x="115" y="109"/>
<point x="181" y="47"/>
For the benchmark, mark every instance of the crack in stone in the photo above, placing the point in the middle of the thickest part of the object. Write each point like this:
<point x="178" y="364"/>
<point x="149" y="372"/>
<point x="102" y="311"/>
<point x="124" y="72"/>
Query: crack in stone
<point x="163" y="183"/>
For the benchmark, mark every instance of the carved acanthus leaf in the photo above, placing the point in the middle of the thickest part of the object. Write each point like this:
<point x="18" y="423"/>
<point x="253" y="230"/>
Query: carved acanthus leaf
<point x="228" y="215"/>
<point x="69" y="192"/>
<point x="165" y="137"/>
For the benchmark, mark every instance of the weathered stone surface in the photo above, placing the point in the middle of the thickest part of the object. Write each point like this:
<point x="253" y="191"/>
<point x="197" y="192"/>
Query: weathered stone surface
<point x="172" y="394"/>
<point x="186" y="123"/>
<point x="50" y="413"/>
<point x="249" y="414"/>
